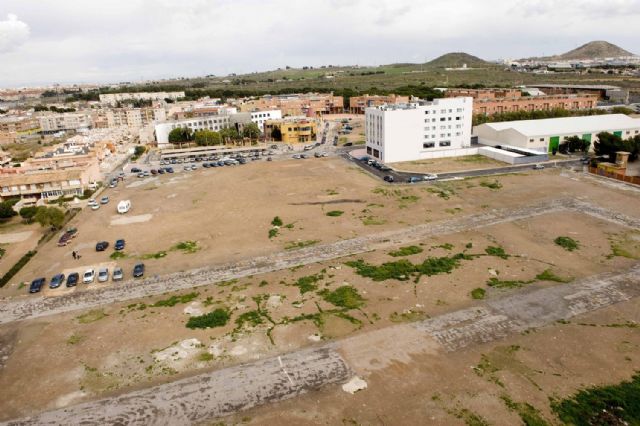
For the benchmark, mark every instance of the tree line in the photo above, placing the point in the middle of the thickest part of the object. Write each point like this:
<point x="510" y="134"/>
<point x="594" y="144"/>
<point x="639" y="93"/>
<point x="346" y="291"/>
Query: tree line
<point x="207" y="137"/>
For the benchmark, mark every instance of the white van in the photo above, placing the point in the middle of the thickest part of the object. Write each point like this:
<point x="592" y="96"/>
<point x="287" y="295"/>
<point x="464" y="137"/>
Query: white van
<point x="124" y="206"/>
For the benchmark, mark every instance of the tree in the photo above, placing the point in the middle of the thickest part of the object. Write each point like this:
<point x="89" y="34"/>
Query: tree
<point x="139" y="150"/>
<point x="6" y="210"/>
<point x="276" y="134"/>
<point x="251" y="131"/>
<point x="180" y="135"/>
<point x="49" y="216"/>
<point x="207" y="137"/>
<point x="27" y="213"/>
<point x="229" y="134"/>
<point x="608" y="144"/>
<point x="574" y="144"/>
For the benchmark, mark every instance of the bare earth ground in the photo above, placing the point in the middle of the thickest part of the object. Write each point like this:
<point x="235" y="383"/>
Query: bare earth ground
<point x="17" y="239"/>
<point x="80" y="356"/>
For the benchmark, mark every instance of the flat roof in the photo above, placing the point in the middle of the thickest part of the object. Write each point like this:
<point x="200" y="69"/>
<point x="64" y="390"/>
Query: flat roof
<point x="40" y="177"/>
<point x="576" y="86"/>
<point x="565" y="125"/>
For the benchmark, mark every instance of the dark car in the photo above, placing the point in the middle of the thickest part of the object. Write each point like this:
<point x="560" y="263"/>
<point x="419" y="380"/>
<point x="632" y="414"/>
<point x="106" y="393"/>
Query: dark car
<point x="413" y="179"/>
<point x="160" y="171"/>
<point x="138" y="270"/>
<point x="36" y="285"/>
<point x="72" y="279"/>
<point x="205" y="165"/>
<point x="102" y="246"/>
<point x="388" y="178"/>
<point x="135" y="170"/>
<point x="169" y="169"/>
<point x="56" y="281"/>
<point x="119" y="245"/>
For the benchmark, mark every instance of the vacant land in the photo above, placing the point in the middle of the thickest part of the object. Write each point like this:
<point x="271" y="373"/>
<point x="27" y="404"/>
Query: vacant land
<point x="211" y="217"/>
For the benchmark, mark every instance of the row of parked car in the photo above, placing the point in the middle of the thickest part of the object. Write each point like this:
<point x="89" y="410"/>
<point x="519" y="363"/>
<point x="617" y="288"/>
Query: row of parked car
<point x="88" y="277"/>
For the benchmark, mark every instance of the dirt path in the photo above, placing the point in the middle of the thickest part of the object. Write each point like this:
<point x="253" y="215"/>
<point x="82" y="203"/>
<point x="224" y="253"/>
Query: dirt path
<point x="33" y="307"/>
<point x="227" y="391"/>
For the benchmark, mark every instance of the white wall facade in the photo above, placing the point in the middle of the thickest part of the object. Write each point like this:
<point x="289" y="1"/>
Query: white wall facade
<point x="260" y="117"/>
<point x="113" y="98"/>
<point x="214" y="122"/>
<point x="67" y="121"/>
<point x="415" y="131"/>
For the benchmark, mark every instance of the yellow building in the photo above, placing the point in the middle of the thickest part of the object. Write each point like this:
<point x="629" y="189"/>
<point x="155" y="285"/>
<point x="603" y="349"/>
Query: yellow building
<point x="298" y="130"/>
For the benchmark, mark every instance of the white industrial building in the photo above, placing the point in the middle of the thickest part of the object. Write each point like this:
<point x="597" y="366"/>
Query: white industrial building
<point x="547" y="134"/>
<point x="421" y="130"/>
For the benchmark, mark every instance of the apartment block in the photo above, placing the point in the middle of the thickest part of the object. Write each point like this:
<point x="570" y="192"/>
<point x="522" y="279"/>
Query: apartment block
<point x="43" y="185"/>
<point x="134" y="118"/>
<point x="53" y="123"/>
<point x="419" y="130"/>
<point x="357" y="104"/>
<point x="14" y="128"/>
<point x="292" y="129"/>
<point x="112" y="99"/>
<point x="305" y="104"/>
<point x="498" y="101"/>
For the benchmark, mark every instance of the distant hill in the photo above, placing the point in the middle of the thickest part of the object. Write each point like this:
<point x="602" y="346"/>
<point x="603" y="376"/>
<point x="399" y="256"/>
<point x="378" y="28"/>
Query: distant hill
<point x="456" y="60"/>
<point x="592" y="50"/>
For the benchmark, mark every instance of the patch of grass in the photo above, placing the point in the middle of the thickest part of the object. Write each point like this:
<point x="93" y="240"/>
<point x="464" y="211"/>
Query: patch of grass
<point x="91" y="316"/>
<point x="343" y="297"/>
<point x="406" y="251"/>
<point x="294" y="245"/>
<point x="187" y="246"/>
<point x="409" y="198"/>
<point x="335" y="213"/>
<point x="117" y="255"/>
<point x="470" y="418"/>
<point x="277" y="221"/>
<point x="216" y="318"/>
<point x="373" y="221"/>
<point x="174" y="300"/>
<point x="478" y="293"/>
<point x="611" y="405"/>
<point x="567" y="243"/>
<point x="495" y="185"/>
<point x="529" y="414"/>
<point x="400" y="270"/>
<point x="454" y="210"/>
<point x="253" y="318"/>
<point x="332" y="192"/>
<point x="74" y="339"/>
<point x="497" y="252"/>
<point x="157" y="255"/>
<point x="548" y="275"/>
<point x="273" y="232"/>
<point x="446" y="246"/>
<point x="505" y="284"/>
<point x="308" y="283"/>
<point x="205" y="357"/>
<point x="409" y="315"/>
<point x="439" y="265"/>
<point x="442" y="190"/>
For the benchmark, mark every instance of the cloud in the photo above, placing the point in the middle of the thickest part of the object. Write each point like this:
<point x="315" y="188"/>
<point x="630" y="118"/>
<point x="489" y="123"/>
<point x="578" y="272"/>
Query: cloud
<point x="13" y="33"/>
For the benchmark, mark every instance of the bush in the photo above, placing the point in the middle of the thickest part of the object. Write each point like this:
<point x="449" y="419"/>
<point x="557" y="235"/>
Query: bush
<point x="6" y="210"/>
<point x="217" y="318"/>
<point x="567" y="243"/>
<point x="49" y="216"/>
<point x="308" y="283"/>
<point x="16" y="268"/>
<point x="27" y="213"/>
<point x="406" y="251"/>
<point x="343" y="297"/>
<point x="276" y="221"/>
<point x="497" y="252"/>
<point x="478" y="293"/>
<point x="174" y="300"/>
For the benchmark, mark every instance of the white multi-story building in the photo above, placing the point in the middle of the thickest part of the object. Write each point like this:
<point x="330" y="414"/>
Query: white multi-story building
<point x="134" y="118"/>
<point x="420" y="130"/>
<point x="260" y="117"/>
<point x="53" y="123"/>
<point x="113" y="98"/>
<point x="214" y="122"/>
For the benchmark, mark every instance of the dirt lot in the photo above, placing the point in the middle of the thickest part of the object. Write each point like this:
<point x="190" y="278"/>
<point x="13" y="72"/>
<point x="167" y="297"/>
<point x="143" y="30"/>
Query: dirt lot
<point x="81" y="356"/>
<point x="16" y="239"/>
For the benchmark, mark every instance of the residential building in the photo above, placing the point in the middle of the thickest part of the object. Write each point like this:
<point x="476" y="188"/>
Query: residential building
<point x="261" y="117"/>
<point x="112" y="99"/>
<point x="43" y="185"/>
<point x="419" y="130"/>
<point x="53" y="123"/>
<point x="134" y="118"/>
<point x="357" y="104"/>
<point x="13" y="128"/>
<point x="547" y="134"/>
<point x="292" y="129"/>
<point x="305" y="104"/>
<point x="498" y="101"/>
<point x="604" y="92"/>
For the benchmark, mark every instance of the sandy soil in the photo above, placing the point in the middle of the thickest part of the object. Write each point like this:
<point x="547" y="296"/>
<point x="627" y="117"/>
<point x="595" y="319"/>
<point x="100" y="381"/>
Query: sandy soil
<point x="454" y="164"/>
<point x="17" y="239"/>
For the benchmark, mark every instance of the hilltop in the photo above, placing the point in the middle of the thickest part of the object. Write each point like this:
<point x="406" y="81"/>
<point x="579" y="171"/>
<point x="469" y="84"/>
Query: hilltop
<point x="456" y="60"/>
<point x="592" y="50"/>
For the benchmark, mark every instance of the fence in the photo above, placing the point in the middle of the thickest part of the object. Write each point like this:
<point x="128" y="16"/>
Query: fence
<point x="618" y="176"/>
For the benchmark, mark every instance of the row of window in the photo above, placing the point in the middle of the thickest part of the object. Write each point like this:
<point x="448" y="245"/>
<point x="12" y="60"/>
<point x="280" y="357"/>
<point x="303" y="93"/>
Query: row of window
<point x="442" y="135"/>
<point x="433" y="144"/>
<point x="444" y="111"/>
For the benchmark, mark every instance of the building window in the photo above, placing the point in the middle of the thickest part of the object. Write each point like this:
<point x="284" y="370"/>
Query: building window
<point x="541" y="139"/>
<point x="443" y="119"/>
<point x="428" y="145"/>
<point x="530" y="140"/>
<point x="445" y="143"/>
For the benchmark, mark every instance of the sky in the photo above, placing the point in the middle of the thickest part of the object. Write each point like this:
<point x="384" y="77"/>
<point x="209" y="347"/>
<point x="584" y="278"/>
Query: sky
<point x="101" y="41"/>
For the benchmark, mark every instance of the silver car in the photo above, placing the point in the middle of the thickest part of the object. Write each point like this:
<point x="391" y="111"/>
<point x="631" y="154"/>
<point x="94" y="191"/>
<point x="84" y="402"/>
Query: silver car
<point x="103" y="275"/>
<point x="118" y="274"/>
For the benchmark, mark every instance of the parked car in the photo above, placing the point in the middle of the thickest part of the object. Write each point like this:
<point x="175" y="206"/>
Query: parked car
<point x="413" y="179"/>
<point x="205" y="165"/>
<point x="242" y="161"/>
<point x="56" y="281"/>
<point x="304" y="156"/>
<point x="140" y="175"/>
<point x="194" y="166"/>
<point x="102" y="245"/>
<point x="154" y="172"/>
<point x="91" y="202"/>
<point x="36" y="285"/>
<point x="161" y="171"/>
<point x="296" y="156"/>
<point x="113" y="184"/>
<point x="103" y="275"/>
<point x="135" y="170"/>
<point x="95" y="206"/>
<point x="169" y="169"/>
<point x="269" y="159"/>
<point x="430" y="176"/>
<point x="88" y="276"/>
<point x="538" y="167"/>
<point x="138" y="270"/>
<point x="104" y="200"/>
<point x="317" y="154"/>
<point x="119" y="245"/>
<point x="72" y="279"/>
<point x="67" y="236"/>
<point x="123" y="206"/>
<point x="388" y="178"/>
<point x="146" y="173"/>
<point x="118" y="274"/>
<point x="187" y="168"/>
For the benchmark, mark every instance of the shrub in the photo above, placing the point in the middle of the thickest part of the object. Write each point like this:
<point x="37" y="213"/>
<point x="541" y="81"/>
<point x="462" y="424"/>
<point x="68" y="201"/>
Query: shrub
<point x="406" y="251"/>
<point x="343" y="297"/>
<point x="16" y="268"/>
<point x="117" y="255"/>
<point x="6" y="210"/>
<point x="335" y="213"/>
<point x="497" y="252"/>
<point x="567" y="243"/>
<point x="217" y="318"/>
<point x="308" y="283"/>
<point x="276" y="221"/>
<point x="548" y="275"/>
<point x="495" y="185"/>
<point x="293" y="245"/>
<point x="187" y="246"/>
<point x="27" y="213"/>
<point x="174" y="300"/>
<point x="273" y="232"/>
<point x="400" y="270"/>
<point x="478" y="293"/>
